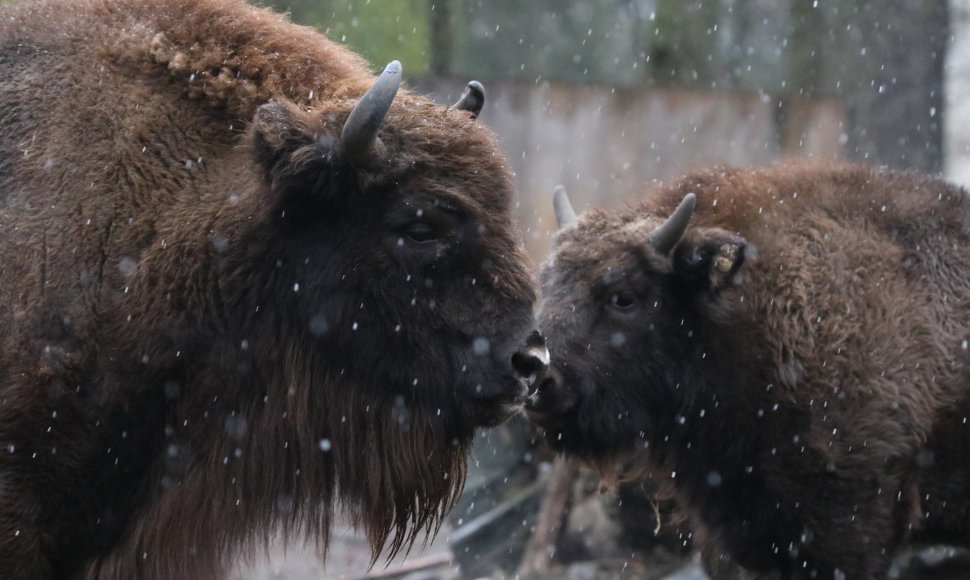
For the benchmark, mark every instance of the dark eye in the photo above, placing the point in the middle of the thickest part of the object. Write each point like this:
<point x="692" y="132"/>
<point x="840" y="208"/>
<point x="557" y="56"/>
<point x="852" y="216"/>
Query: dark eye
<point x="420" y="232"/>
<point x="623" y="299"/>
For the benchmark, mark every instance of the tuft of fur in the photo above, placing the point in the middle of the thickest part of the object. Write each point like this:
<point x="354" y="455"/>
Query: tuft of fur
<point x="216" y="327"/>
<point x="794" y="372"/>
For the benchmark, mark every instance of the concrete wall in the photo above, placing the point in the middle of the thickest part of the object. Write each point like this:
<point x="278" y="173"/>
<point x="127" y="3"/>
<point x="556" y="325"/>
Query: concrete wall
<point x="607" y="144"/>
<point x="957" y="114"/>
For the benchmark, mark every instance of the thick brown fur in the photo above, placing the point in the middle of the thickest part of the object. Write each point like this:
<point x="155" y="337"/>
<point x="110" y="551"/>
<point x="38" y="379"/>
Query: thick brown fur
<point x="214" y="326"/>
<point x="795" y="370"/>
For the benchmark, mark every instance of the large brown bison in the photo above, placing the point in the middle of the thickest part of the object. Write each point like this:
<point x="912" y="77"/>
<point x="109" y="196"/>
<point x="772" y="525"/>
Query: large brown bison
<point x="242" y="286"/>
<point x="784" y="348"/>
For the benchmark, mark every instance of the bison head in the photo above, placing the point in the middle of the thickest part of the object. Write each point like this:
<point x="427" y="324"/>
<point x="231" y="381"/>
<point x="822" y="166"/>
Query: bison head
<point x="396" y="251"/>
<point x="373" y="303"/>
<point x="625" y="298"/>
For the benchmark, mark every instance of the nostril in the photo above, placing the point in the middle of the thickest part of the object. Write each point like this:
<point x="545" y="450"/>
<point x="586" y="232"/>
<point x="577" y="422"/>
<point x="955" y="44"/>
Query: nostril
<point x="535" y="340"/>
<point x="531" y="364"/>
<point x="526" y="364"/>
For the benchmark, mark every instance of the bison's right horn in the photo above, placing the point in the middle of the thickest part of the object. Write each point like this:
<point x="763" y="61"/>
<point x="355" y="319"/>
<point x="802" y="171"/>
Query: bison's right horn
<point x="564" y="210"/>
<point x="359" y="134"/>
<point x="472" y="100"/>
<point x="667" y="234"/>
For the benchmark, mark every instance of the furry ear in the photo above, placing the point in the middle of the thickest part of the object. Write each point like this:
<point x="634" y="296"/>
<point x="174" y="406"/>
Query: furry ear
<point x="710" y="259"/>
<point x="299" y="164"/>
<point x="278" y="129"/>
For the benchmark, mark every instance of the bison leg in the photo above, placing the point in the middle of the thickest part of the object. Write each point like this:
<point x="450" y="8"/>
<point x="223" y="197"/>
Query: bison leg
<point x="851" y="531"/>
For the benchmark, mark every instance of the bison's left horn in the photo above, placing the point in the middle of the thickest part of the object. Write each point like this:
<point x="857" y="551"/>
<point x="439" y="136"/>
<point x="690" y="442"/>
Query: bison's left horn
<point x="472" y="100"/>
<point x="666" y="236"/>
<point x="564" y="210"/>
<point x="359" y="134"/>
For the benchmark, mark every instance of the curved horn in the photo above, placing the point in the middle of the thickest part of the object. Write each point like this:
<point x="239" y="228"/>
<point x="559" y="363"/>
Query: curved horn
<point x="564" y="210"/>
<point x="667" y="234"/>
<point x="472" y="100"/>
<point x="359" y="134"/>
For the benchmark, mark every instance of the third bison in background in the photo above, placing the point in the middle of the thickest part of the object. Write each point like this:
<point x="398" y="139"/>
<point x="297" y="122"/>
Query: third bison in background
<point x="784" y="349"/>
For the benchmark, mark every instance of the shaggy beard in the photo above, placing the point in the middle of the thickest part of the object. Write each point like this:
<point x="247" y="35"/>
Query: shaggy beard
<point x="395" y="471"/>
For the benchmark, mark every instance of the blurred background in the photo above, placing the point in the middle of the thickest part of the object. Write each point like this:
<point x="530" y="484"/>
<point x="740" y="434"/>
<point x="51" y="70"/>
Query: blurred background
<point x="605" y="97"/>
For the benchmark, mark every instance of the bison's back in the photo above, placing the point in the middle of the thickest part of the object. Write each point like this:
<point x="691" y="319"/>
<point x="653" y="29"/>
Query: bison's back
<point x="767" y="204"/>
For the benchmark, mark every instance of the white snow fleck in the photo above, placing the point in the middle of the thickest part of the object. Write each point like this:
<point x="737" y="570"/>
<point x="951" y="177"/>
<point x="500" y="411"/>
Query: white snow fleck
<point x="481" y="346"/>
<point x="319" y="325"/>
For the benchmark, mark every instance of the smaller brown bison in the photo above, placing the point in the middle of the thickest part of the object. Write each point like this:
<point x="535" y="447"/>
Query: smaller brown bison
<point x="806" y="403"/>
